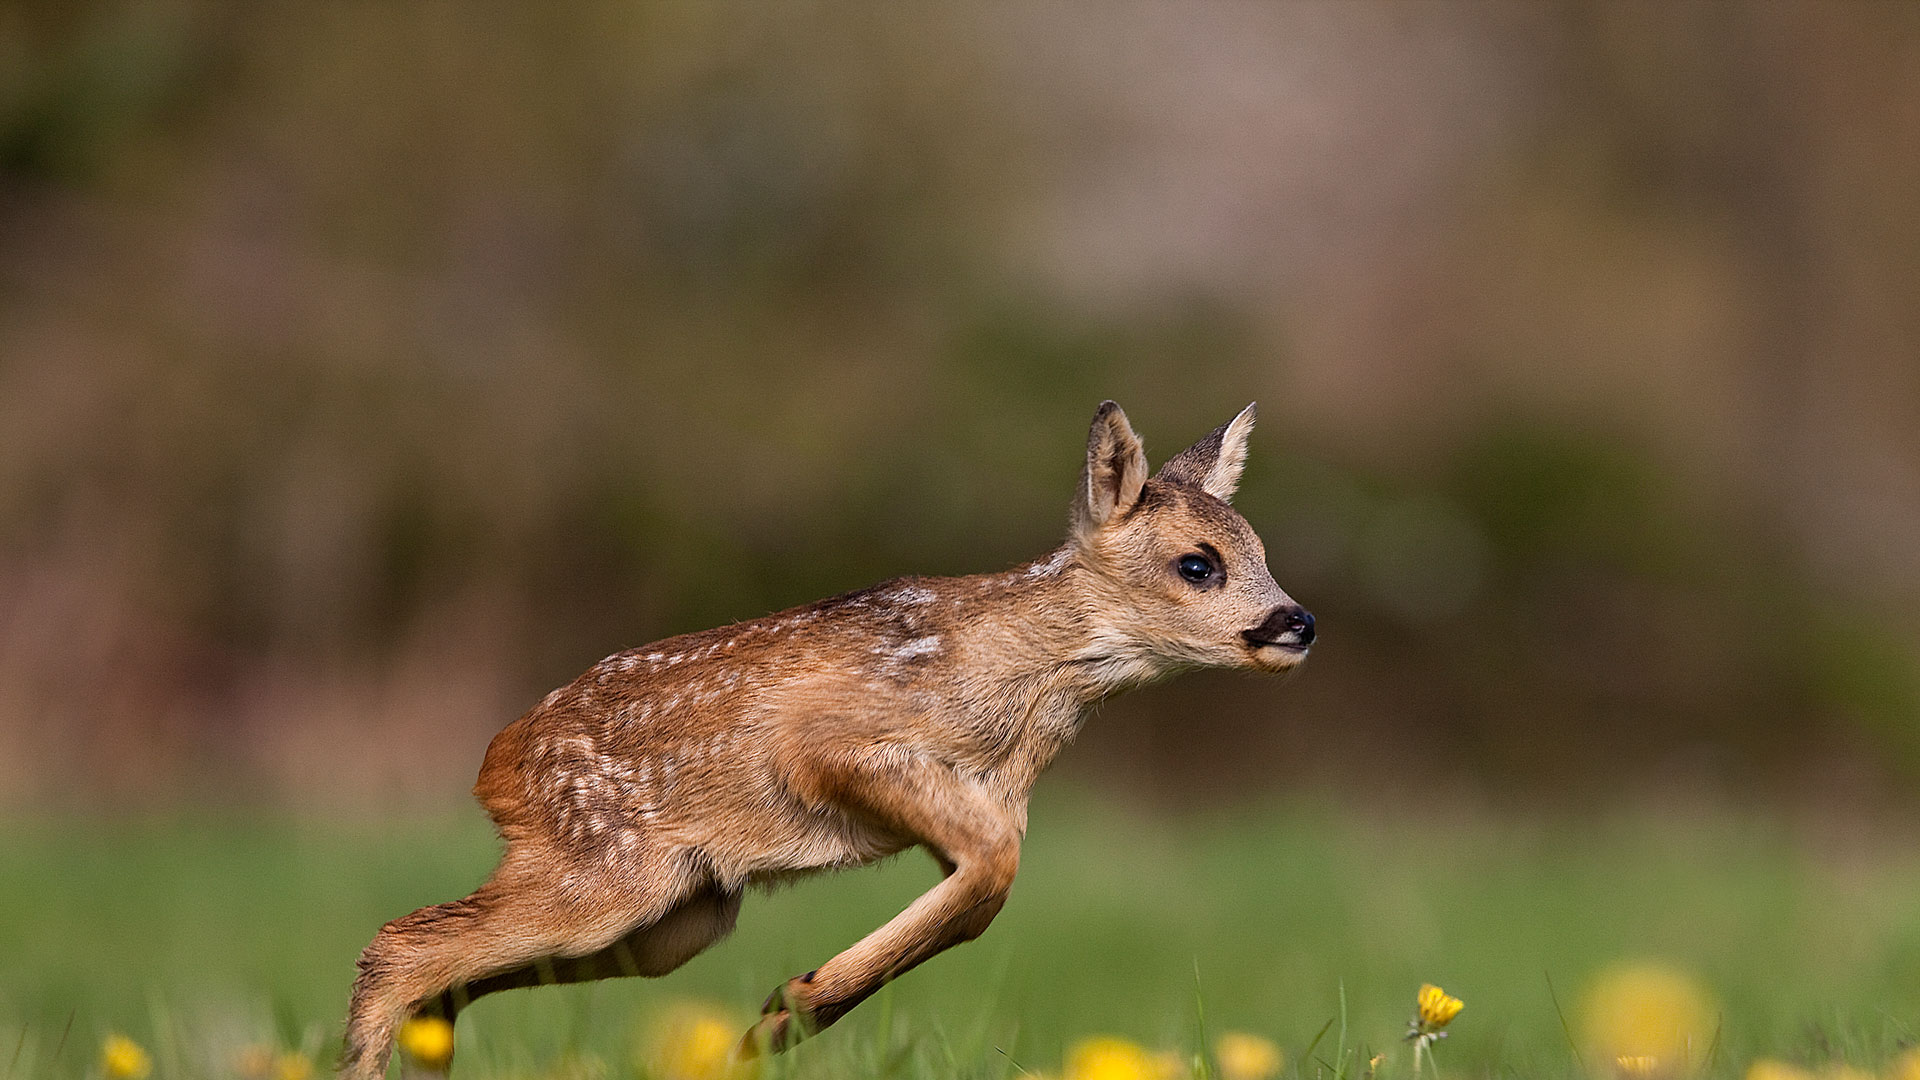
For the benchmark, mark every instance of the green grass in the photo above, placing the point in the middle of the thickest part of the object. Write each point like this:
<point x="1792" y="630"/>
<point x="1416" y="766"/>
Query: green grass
<point x="198" y="936"/>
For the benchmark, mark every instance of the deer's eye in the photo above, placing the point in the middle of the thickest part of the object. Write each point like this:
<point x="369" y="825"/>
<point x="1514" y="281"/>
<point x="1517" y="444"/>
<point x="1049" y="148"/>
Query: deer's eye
<point x="1195" y="568"/>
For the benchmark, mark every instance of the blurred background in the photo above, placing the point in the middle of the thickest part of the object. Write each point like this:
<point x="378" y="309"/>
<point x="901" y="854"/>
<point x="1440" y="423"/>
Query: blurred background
<point x="367" y="370"/>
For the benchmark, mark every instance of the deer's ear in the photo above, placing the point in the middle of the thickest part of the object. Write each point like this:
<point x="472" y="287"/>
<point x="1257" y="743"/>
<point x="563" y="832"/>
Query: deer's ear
<point x="1116" y="470"/>
<point x="1213" y="464"/>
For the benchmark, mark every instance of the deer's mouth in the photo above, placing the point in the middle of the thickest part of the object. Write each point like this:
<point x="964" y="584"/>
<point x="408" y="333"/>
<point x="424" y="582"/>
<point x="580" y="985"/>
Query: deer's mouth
<point x="1280" y="644"/>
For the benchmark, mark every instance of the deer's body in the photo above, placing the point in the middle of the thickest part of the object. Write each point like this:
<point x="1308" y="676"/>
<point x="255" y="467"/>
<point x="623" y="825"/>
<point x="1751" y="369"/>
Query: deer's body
<point x="638" y="802"/>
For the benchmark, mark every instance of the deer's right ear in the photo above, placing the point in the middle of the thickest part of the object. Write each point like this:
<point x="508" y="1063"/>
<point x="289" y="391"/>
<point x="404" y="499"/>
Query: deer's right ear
<point x="1116" y="470"/>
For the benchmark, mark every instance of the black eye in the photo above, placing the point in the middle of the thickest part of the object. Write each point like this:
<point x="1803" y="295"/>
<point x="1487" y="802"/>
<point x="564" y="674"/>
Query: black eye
<point x="1195" y="568"/>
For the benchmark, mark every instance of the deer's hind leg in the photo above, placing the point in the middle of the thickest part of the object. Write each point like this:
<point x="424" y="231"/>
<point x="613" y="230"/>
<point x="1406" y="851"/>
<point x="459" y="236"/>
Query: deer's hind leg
<point x="544" y="911"/>
<point x="653" y="949"/>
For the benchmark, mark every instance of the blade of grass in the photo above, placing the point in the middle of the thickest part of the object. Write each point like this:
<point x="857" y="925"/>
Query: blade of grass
<point x="64" y="1032"/>
<point x="1203" y="1056"/>
<point x="1340" y="1049"/>
<point x="1565" y="1028"/>
<point x="17" y="1048"/>
<point x="995" y="990"/>
<point x="1307" y="1054"/>
<point x="946" y="1048"/>
<point x="167" y="1051"/>
<point x="1014" y="1039"/>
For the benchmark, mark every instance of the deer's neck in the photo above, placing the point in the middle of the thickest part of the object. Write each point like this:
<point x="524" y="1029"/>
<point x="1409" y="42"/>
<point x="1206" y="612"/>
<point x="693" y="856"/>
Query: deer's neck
<point x="1057" y="652"/>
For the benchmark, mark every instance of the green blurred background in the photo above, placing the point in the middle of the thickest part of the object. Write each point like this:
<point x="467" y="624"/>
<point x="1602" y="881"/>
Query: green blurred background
<point x="368" y="369"/>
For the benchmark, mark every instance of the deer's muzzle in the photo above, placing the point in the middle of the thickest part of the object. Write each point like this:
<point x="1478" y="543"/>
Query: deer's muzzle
<point x="1288" y="625"/>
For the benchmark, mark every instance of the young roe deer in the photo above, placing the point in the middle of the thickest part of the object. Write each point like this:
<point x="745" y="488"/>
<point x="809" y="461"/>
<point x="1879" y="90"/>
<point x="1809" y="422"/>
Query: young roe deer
<point x="639" y="801"/>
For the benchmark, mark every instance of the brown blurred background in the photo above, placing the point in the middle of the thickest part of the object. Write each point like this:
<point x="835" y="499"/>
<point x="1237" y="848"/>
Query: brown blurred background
<point x="368" y="369"/>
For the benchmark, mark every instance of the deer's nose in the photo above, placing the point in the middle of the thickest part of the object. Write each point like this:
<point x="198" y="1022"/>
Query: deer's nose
<point x="1299" y="623"/>
<point x="1288" y="624"/>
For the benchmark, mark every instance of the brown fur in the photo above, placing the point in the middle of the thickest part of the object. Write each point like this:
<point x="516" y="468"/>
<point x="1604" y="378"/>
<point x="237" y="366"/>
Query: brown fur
<point x="640" y="800"/>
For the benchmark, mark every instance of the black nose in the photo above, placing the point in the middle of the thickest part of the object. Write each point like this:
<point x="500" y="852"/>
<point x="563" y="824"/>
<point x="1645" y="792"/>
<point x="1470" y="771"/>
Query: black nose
<point x="1288" y="624"/>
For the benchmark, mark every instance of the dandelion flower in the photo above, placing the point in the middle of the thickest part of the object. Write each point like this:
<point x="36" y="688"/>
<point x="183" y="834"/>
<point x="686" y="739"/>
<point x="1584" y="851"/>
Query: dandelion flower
<point x="1437" y="1008"/>
<point x="1648" y="1010"/>
<point x="123" y="1059"/>
<point x="1433" y="1010"/>
<point x="1906" y="1066"/>
<point x="694" y="1042"/>
<point x="1246" y="1057"/>
<point x="1637" y="1066"/>
<point x="292" y="1066"/>
<point x="1108" y="1058"/>
<point x="428" y="1040"/>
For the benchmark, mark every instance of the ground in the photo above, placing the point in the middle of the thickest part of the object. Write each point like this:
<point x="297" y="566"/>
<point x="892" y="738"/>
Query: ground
<point x="199" y="937"/>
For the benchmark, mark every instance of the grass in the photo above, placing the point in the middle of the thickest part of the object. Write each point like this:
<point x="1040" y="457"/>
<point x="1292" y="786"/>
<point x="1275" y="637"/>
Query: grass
<point x="1305" y="924"/>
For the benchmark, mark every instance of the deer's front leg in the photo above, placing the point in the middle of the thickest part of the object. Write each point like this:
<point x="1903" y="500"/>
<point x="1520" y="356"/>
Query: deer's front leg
<point x="963" y="827"/>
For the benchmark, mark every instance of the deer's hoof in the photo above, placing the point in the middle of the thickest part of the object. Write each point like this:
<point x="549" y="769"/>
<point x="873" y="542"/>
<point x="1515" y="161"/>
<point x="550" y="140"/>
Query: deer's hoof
<point x="776" y="1032"/>
<point x="795" y="995"/>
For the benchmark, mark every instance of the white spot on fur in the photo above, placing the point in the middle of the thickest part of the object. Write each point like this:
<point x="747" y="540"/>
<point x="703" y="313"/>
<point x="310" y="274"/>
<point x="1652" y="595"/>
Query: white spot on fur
<point x="918" y="647"/>
<point x="790" y="622"/>
<point x="912" y="594"/>
<point x="1052" y="566"/>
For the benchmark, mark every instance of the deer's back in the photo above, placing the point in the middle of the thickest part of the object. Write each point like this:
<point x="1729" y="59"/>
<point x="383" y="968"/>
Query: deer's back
<point x="682" y="742"/>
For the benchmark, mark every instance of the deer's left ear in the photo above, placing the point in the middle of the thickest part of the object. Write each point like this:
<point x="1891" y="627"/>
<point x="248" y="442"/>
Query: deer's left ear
<point x="1213" y="464"/>
<point x="1115" y="473"/>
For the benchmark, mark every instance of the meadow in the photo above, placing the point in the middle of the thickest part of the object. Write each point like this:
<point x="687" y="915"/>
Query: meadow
<point x="1311" y="924"/>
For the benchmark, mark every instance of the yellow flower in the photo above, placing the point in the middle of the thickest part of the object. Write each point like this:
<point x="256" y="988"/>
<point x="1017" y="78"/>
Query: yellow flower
<point x="124" y="1059"/>
<point x="1906" y="1066"/>
<point x="292" y="1066"/>
<point x="1637" y="1066"/>
<point x="1105" y="1057"/>
<point x="1437" y="1008"/>
<point x="1648" y="1010"/>
<point x="694" y="1042"/>
<point x="428" y="1040"/>
<point x="1769" y="1069"/>
<point x="1246" y="1057"/>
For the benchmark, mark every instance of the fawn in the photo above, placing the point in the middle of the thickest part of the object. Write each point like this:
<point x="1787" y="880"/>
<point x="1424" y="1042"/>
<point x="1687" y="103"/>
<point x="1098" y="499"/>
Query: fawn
<point x="639" y="801"/>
